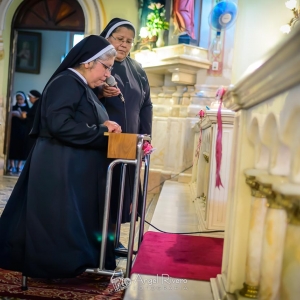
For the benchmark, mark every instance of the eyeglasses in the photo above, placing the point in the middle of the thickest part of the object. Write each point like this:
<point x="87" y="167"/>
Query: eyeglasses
<point x="121" y="41"/>
<point x="109" y="69"/>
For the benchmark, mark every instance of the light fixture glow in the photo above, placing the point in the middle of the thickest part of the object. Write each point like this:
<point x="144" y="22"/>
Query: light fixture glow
<point x="291" y="4"/>
<point x="285" y="28"/>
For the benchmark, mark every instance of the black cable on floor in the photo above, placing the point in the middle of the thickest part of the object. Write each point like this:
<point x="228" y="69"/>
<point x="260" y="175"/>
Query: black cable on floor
<point x="212" y="231"/>
<point x="172" y="177"/>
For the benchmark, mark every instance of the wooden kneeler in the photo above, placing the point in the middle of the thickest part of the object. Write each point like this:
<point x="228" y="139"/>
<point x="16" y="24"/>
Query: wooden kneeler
<point x="122" y="145"/>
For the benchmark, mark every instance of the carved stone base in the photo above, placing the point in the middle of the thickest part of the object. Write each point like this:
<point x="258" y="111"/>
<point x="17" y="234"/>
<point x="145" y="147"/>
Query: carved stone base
<point x="218" y="289"/>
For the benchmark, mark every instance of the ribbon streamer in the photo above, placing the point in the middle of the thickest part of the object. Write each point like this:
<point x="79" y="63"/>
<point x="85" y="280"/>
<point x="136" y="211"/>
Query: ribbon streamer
<point x="201" y="114"/>
<point x="220" y="93"/>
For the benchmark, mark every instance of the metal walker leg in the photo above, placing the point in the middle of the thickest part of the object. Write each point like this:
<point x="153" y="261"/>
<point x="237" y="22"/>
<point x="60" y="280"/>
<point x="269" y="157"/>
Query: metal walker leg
<point x="145" y="187"/>
<point x="24" y="286"/>
<point x="137" y="163"/>
<point x="144" y="198"/>
<point x="119" y="218"/>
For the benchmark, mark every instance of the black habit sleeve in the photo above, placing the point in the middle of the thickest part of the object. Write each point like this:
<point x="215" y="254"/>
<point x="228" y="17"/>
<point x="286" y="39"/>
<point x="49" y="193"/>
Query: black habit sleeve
<point x="70" y="116"/>
<point x="146" y="109"/>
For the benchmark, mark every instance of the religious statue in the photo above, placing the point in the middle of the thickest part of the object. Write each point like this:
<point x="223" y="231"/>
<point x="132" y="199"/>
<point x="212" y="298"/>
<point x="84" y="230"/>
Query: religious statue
<point x="183" y="15"/>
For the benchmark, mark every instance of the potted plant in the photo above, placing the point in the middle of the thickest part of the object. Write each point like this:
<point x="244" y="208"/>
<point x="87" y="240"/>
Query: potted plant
<point x="156" y="24"/>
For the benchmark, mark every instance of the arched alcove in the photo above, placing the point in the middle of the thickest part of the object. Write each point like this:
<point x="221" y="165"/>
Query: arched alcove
<point x="92" y="11"/>
<point x="38" y="15"/>
<point x="290" y="130"/>
<point x="66" y="15"/>
<point x="292" y="136"/>
<point x="57" y="14"/>
<point x="260" y="150"/>
<point x="279" y="160"/>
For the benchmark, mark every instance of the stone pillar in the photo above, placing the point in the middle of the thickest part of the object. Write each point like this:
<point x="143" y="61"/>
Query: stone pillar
<point x="273" y="238"/>
<point x="186" y="97"/>
<point x="177" y="109"/>
<point x="257" y="219"/>
<point x="289" y="195"/>
<point x="155" y="91"/>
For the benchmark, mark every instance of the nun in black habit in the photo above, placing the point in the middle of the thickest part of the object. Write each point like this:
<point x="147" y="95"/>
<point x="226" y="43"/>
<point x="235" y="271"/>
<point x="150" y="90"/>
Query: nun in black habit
<point x="51" y="226"/>
<point x="18" y="134"/>
<point x="135" y="113"/>
<point x="34" y="97"/>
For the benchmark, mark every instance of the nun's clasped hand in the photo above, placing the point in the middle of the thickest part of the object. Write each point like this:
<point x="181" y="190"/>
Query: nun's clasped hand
<point x="113" y="126"/>
<point x="110" y="91"/>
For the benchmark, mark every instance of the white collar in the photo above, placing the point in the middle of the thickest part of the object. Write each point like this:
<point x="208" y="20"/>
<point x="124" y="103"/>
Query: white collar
<point x="76" y="72"/>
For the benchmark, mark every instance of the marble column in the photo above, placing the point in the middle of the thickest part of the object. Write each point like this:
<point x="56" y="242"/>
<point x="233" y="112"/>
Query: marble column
<point x="177" y="109"/>
<point x="186" y="97"/>
<point x="289" y="195"/>
<point x="163" y="103"/>
<point x="273" y="238"/>
<point x="155" y="91"/>
<point x="257" y="219"/>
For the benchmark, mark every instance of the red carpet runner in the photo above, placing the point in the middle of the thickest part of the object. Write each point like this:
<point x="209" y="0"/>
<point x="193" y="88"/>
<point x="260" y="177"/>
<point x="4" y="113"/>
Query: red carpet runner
<point x="84" y="287"/>
<point x="179" y="256"/>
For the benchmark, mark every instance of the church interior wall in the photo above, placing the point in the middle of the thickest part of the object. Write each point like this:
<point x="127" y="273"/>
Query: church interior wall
<point x="50" y="60"/>
<point x="6" y="40"/>
<point x="257" y="32"/>
<point x="121" y="9"/>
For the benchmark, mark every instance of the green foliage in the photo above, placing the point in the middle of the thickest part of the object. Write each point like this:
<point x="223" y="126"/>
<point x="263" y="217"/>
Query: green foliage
<point x="156" y="20"/>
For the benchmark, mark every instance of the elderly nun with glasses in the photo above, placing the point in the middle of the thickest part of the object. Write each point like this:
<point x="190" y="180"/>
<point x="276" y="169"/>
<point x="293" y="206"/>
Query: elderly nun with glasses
<point x="51" y="226"/>
<point x="135" y="113"/>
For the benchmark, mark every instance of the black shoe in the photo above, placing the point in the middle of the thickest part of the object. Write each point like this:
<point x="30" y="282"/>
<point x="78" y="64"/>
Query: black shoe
<point x="18" y="171"/>
<point x="11" y="170"/>
<point x="121" y="246"/>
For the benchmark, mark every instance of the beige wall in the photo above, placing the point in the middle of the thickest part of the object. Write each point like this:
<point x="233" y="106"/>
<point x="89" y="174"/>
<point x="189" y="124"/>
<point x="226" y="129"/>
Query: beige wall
<point x="121" y="9"/>
<point x="111" y="9"/>
<point x="6" y="40"/>
<point x="4" y="72"/>
<point x="257" y="31"/>
<point x="108" y="9"/>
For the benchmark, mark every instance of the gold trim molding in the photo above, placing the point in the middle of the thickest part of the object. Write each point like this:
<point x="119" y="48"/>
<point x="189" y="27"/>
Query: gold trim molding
<point x="266" y="189"/>
<point x="203" y="198"/>
<point x="292" y="206"/>
<point x="254" y="185"/>
<point x="206" y="157"/>
<point x="249" y="291"/>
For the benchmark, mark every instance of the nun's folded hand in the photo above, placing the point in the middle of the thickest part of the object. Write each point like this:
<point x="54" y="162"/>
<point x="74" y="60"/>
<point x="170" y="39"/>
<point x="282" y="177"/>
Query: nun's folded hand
<point x="16" y="113"/>
<point x="113" y="126"/>
<point x="110" y="91"/>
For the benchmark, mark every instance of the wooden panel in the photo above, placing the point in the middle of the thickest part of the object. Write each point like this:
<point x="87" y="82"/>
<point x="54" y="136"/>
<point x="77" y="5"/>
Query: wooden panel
<point x="122" y="145"/>
<point x="66" y="15"/>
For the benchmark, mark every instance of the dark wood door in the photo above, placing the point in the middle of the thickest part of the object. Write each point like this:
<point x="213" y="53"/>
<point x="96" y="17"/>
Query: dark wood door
<point x="66" y="15"/>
